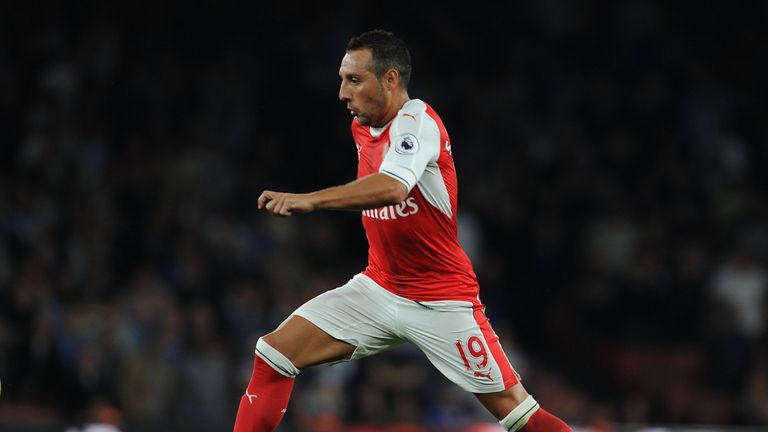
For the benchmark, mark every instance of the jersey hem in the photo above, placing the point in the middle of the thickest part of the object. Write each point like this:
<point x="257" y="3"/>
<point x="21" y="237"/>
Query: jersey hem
<point x="472" y="299"/>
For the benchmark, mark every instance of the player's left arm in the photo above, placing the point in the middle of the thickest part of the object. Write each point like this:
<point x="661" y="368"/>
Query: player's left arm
<point x="373" y="191"/>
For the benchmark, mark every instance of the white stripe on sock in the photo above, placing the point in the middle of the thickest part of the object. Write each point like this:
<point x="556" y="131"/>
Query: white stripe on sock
<point x="518" y="417"/>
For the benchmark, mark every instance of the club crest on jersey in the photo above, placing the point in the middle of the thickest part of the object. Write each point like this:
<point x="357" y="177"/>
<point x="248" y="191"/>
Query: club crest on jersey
<point x="407" y="144"/>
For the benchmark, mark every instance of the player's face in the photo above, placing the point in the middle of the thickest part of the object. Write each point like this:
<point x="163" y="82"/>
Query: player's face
<point x="363" y="92"/>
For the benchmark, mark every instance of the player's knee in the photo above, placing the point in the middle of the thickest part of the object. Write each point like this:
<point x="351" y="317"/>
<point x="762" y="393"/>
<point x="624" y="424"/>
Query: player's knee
<point x="518" y="417"/>
<point x="500" y="404"/>
<point x="275" y="359"/>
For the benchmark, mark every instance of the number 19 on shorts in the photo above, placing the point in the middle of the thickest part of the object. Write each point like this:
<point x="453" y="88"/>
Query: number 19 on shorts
<point x="479" y="355"/>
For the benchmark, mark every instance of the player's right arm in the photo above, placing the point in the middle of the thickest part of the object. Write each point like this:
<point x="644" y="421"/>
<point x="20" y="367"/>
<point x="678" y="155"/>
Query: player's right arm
<point x="370" y="192"/>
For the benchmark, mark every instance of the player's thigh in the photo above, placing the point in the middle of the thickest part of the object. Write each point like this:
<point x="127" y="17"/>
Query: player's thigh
<point x="306" y="344"/>
<point x="357" y="315"/>
<point x="459" y="341"/>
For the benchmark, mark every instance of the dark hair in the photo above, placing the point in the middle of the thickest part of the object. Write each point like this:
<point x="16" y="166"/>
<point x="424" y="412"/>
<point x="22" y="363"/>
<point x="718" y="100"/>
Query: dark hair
<point x="388" y="52"/>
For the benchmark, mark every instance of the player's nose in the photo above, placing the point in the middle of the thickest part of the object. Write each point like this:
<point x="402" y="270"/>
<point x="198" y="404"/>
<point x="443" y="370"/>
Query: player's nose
<point x="344" y="94"/>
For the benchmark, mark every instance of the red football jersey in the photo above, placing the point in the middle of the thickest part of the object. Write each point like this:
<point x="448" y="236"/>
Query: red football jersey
<point x="414" y="250"/>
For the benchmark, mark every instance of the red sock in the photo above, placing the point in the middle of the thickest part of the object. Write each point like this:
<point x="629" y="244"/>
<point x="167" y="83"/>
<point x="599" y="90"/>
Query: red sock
<point x="542" y="421"/>
<point x="265" y="400"/>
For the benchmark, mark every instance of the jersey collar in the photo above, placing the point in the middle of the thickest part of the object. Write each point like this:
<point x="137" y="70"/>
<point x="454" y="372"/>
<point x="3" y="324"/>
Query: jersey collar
<point x="377" y="131"/>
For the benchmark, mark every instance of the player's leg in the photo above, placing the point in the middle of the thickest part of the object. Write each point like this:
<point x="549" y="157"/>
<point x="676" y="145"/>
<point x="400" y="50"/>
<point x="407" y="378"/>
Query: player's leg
<point x="514" y="407"/>
<point x="304" y="344"/>
<point x="280" y="355"/>
<point x="518" y="411"/>
<point x="459" y="341"/>
<point x="352" y="321"/>
<point x="500" y="404"/>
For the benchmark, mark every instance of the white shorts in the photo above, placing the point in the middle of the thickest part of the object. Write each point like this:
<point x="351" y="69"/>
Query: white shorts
<point x="455" y="335"/>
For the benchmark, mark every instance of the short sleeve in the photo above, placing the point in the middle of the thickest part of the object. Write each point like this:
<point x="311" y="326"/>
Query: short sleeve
<point x="414" y="143"/>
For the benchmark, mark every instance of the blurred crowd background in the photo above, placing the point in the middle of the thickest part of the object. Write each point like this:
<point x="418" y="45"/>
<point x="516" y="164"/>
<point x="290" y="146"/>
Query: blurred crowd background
<point x="612" y="193"/>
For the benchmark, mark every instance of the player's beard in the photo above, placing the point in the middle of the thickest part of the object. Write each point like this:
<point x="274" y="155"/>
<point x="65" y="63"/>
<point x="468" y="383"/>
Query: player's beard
<point x="378" y="104"/>
<point x="362" y="120"/>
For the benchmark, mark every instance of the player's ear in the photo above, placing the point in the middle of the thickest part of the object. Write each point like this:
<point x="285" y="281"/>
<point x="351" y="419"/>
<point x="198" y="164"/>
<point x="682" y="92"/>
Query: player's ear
<point x="392" y="78"/>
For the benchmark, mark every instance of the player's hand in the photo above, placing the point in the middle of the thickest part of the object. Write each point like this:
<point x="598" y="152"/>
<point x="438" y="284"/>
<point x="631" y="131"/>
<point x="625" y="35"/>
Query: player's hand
<point x="284" y="204"/>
